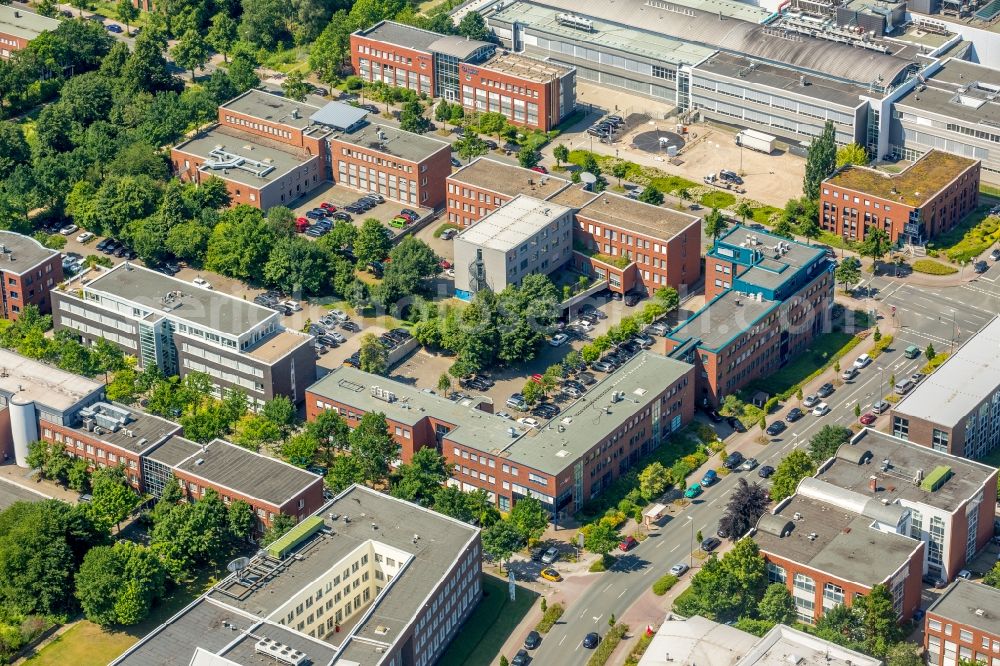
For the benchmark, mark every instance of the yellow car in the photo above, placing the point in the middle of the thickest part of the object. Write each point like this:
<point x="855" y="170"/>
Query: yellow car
<point x="551" y="574"/>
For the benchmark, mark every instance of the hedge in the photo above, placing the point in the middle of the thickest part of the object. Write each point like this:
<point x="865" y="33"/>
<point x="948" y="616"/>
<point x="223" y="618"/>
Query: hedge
<point x="608" y="645"/>
<point x="933" y="364"/>
<point x="663" y="585"/>
<point x="880" y="346"/>
<point x="444" y="227"/>
<point x="549" y="619"/>
<point x="640" y="649"/>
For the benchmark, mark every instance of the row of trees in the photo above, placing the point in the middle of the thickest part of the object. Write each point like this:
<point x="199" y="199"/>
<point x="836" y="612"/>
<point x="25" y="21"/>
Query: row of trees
<point x="27" y="336"/>
<point x="665" y="299"/>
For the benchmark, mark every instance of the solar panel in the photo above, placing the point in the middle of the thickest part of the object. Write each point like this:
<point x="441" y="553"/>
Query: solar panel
<point x="989" y="12"/>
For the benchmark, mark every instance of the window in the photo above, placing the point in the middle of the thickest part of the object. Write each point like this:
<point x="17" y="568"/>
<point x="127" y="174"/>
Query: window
<point x="775" y="574"/>
<point x="833" y="595"/>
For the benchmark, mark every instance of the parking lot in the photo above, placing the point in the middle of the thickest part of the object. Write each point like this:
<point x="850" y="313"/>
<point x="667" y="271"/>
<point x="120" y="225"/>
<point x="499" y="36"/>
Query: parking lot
<point x="340" y="196"/>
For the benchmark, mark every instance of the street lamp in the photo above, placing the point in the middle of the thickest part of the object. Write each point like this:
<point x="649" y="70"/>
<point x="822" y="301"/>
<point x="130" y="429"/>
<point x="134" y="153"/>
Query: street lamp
<point x="691" y="549"/>
<point x="881" y="383"/>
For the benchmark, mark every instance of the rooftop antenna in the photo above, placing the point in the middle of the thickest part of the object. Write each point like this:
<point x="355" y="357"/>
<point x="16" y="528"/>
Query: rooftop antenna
<point x="237" y="566"/>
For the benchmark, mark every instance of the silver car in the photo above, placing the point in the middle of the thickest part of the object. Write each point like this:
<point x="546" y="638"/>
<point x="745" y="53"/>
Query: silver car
<point x="678" y="569"/>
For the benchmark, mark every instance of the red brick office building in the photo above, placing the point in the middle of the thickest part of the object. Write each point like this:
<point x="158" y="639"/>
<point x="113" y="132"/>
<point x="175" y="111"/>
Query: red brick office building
<point x="19" y="26"/>
<point x="927" y="198"/>
<point x="485" y="184"/>
<point x="563" y="465"/>
<point x="28" y="271"/>
<point x="963" y="624"/>
<point x="529" y="92"/>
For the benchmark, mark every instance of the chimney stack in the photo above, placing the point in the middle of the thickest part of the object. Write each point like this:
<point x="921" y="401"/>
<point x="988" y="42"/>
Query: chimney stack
<point x="873" y="484"/>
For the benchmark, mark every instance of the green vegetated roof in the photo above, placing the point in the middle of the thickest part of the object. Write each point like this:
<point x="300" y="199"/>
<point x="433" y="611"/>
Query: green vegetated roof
<point x="936" y="478"/>
<point x="913" y="186"/>
<point x="294" y="537"/>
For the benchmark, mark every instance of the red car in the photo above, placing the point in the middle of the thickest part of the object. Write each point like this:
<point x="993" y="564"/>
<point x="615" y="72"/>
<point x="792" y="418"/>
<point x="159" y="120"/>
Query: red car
<point x="539" y="169"/>
<point x="867" y="418"/>
<point x="409" y="216"/>
<point x="628" y="544"/>
<point x="328" y="206"/>
<point x="445" y="264"/>
<point x="301" y="224"/>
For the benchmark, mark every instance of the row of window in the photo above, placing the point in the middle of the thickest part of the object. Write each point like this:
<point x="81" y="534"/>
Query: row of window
<point x="387" y="55"/>
<point x="260" y="127"/>
<point x="95" y="332"/>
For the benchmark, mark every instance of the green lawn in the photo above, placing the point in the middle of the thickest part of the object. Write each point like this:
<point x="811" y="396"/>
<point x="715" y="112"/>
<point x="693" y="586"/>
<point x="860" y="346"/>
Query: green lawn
<point x="718" y="200"/>
<point x="823" y="351"/>
<point x="976" y="234"/>
<point x="86" y="644"/>
<point x="490" y="625"/>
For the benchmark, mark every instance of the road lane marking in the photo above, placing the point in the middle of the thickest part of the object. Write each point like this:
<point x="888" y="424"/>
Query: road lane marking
<point x="623" y="593"/>
<point x="561" y="640"/>
<point x="598" y="618"/>
<point x="608" y="587"/>
<point x="674" y="548"/>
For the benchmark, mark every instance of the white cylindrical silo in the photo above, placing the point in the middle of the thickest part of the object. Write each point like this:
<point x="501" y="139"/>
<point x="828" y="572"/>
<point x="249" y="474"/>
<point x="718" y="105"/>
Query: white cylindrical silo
<point x="23" y="427"/>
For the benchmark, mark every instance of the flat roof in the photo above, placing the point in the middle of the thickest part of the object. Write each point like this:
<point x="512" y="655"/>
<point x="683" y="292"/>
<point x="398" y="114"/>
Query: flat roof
<point x="905" y="459"/>
<point x="24" y="24"/>
<point x="798" y="254"/>
<point x="278" y="346"/>
<point x="643" y="218"/>
<point x="508" y="179"/>
<point x="913" y="186"/>
<point x="419" y="39"/>
<point x="395" y="142"/>
<point x="573" y="196"/>
<point x="203" y="307"/>
<point x="960" y="384"/>
<point x="783" y="644"/>
<point x="754" y="72"/>
<point x="242" y="157"/>
<point x="339" y="115"/>
<point x="273" y="108"/>
<point x="41" y="383"/>
<point x="248" y="473"/>
<point x="717" y="24"/>
<point x="584" y="422"/>
<point x="525" y="67"/>
<point x="513" y="223"/>
<point x="940" y="94"/>
<point x="140" y="432"/>
<point x="971" y="604"/>
<point x="835" y="541"/>
<point x="174" y="451"/>
<point x="19" y="253"/>
<point x="722" y="319"/>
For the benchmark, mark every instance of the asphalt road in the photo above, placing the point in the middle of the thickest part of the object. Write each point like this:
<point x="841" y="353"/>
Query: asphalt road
<point x="923" y="315"/>
<point x="9" y="493"/>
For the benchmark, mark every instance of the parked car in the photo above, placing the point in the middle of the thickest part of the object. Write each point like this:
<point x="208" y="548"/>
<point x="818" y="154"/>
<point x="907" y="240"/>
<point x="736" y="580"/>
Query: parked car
<point x="867" y="418"/>
<point x="826" y="390"/>
<point x="84" y="237"/>
<point x="810" y="401"/>
<point x="591" y="640"/>
<point x="528" y="421"/>
<point x="917" y="377"/>
<point x="794" y="414"/>
<point x="849" y="374"/>
<point x="533" y="640"/>
<point x="862" y="361"/>
<point x="710" y="477"/>
<point x="602" y="366"/>
<point x="822" y="409"/>
<point x="631" y="299"/>
<point x="713" y="415"/>
<point x="551" y="555"/>
<point x="765" y="471"/>
<point x="350" y="326"/>
<point x="521" y="658"/>
<point x="627" y="544"/>
<point x="736" y="424"/>
<point x="679" y="569"/>
<point x="749" y="464"/>
<point x="693" y="491"/>
<point x="710" y="544"/>
<point x="201" y="282"/>
<point x="980" y="267"/>
<point x="115" y="28"/>
<point x="880" y="407"/>
<point x="733" y="460"/>
<point x="68" y="229"/>
<point x="995" y="255"/>
<point x="776" y="428"/>
<point x="551" y="574"/>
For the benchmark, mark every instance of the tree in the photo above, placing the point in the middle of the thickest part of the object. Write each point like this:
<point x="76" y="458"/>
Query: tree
<point x="372" y="242"/>
<point x="653" y="480"/>
<point x="474" y="26"/>
<point x="743" y="210"/>
<point x="796" y="466"/>
<point x="847" y="273"/>
<point x="494" y="122"/>
<point x="330" y="50"/>
<point x="824" y="444"/>
<point x="117" y="585"/>
<point x="529" y="518"/>
<point x="879" y="621"/>
<point x="221" y="34"/>
<point x="561" y="153"/>
<point x="809" y="227"/>
<point x="295" y="87"/>
<point x="619" y="170"/>
<point x="857" y="409"/>
<point x="444" y="383"/>
<point x="254" y="431"/>
<point x="532" y="392"/>
<point x="929" y="352"/>
<point x="651" y="195"/>
<point x="281" y="412"/>
<point x="783" y="228"/>
<point x="241" y="520"/>
<point x="451" y="501"/>
<point x="191" y="51"/>
<point x="852" y="153"/>
<point x="113" y="498"/>
<point x="442" y="112"/>
<point x="503" y="660"/>
<point x="777" y="605"/>
<point x="330" y="431"/>
<point x="746" y="505"/>
<point x="419" y="480"/>
<point x="242" y="69"/>
<point x="875" y="245"/>
<point x="344" y="472"/>
<point x="528" y="157"/>
<point x="484" y="510"/>
<point x="715" y="224"/>
<point x="877" y="335"/>
<point x="127" y="13"/>
<point x="821" y="161"/>
<point x="601" y="538"/>
<point x="295" y="266"/>
<point x="14" y="149"/>
<point x="412" y="119"/>
<point x="374" y="448"/>
<point x="726" y="588"/>
<point x="373" y="355"/>
<point x="264" y="23"/>
<point x="904" y="654"/>
<point x="240" y="243"/>
<point x="410" y="262"/>
<point x="501" y="539"/>
<point x="300" y="449"/>
<point x="470" y="146"/>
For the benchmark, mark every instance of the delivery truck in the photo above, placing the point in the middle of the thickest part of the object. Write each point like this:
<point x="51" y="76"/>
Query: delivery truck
<point x="755" y="140"/>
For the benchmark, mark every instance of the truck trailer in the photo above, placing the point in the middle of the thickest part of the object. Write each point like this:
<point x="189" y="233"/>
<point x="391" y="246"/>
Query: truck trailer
<point x="755" y="140"/>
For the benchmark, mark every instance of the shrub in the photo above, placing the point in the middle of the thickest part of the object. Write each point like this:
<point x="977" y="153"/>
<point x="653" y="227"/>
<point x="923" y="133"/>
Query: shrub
<point x="640" y="649"/>
<point x="607" y="646"/>
<point x="770" y="405"/>
<point x="880" y="346"/>
<point x="549" y="618"/>
<point x="443" y="228"/>
<point x="663" y="585"/>
<point x="933" y="364"/>
<point x="598" y="566"/>
<point x="932" y="267"/>
<point x="707" y="434"/>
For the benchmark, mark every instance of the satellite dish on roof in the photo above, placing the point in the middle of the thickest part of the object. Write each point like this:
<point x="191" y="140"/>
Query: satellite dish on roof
<point x="587" y="177"/>
<point x="238" y="565"/>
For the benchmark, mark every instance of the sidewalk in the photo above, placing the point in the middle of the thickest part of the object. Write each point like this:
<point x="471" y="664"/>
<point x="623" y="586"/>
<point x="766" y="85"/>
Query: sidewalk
<point x="28" y="480"/>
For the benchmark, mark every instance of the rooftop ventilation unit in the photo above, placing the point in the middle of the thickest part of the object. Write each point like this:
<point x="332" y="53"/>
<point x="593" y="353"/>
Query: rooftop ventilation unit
<point x="280" y="652"/>
<point x="221" y="159"/>
<point x="107" y="416"/>
<point x="381" y="394"/>
<point x="574" y="21"/>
